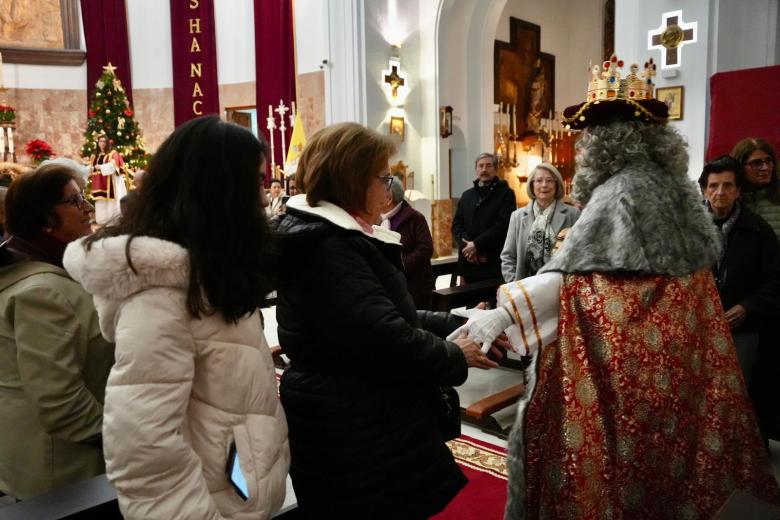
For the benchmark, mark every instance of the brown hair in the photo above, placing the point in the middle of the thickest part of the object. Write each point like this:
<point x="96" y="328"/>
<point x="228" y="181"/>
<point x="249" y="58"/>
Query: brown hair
<point x="747" y="146"/>
<point x="339" y="163"/>
<point x="31" y="198"/>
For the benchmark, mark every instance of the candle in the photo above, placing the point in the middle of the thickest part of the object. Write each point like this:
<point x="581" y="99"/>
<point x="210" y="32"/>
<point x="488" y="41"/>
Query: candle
<point x="514" y="117"/>
<point x="270" y="111"/>
<point x="293" y="108"/>
<point x="10" y="141"/>
<point x="2" y="141"/>
<point x="1" y="70"/>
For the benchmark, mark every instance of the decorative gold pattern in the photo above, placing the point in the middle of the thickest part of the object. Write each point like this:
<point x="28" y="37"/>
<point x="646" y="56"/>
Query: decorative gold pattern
<point x="479" y="457"/>
<point x="533" y="314"/>
<point x="518" y="319"/>
<point x="639" y="413"/>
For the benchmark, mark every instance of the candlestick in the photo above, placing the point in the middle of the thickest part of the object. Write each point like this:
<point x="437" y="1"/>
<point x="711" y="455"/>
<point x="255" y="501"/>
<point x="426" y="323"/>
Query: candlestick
<point x="10" y="140"/>
<point x="271" y="126"/>
<point x="514" y="117"/>
<point x="2" y="142"/>
<point x="2" y="84"/>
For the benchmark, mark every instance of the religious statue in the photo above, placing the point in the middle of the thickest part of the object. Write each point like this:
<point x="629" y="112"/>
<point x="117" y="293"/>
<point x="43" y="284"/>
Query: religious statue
<point x="535" y="106"/>
<point x="108" y="184"/>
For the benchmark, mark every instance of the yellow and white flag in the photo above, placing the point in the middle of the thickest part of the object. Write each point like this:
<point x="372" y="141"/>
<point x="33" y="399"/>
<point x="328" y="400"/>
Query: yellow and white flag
<point x="297" y="142"/>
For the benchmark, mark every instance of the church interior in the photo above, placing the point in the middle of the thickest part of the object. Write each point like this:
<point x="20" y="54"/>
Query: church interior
<point x="104" y="83"/>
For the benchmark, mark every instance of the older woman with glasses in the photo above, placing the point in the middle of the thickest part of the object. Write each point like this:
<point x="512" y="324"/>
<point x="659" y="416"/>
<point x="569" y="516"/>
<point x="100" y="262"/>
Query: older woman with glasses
<point x="762" y="172"/>
<point x="361" y="394"/>
<point x="53" y="360"/>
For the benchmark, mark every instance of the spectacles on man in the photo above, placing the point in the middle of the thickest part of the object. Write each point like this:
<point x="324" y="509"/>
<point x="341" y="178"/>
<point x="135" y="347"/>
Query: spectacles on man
<point x="756" y="164"/>
<point x="77" y="200"/>
<point x="387" y="180"/>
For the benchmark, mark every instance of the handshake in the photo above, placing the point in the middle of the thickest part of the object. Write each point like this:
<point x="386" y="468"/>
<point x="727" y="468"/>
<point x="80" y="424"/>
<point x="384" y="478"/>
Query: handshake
<point x="485" y="328"/>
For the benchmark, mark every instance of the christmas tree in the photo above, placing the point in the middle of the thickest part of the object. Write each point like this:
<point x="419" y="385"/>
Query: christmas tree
<point x="110" y="115"/>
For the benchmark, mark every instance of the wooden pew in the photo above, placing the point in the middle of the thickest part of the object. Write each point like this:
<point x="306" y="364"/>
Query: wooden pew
<point x="467" y="295"/>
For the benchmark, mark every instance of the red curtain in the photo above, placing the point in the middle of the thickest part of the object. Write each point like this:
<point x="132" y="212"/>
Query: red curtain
<point x="744" y="103"/>
<point x="194" y="46"/>
<point x="105" y="34"/>
<point x="275" y="66"/>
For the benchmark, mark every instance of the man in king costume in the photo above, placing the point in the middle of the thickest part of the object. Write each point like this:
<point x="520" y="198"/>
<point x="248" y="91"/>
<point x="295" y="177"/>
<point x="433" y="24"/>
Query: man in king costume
<point x="635" y="405"/>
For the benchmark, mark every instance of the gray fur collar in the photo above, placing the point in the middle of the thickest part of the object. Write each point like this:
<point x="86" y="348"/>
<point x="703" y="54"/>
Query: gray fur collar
<point x="643" y="221"/>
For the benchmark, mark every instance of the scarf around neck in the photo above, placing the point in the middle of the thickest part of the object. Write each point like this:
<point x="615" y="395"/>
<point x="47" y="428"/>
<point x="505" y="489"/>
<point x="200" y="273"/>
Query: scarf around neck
<point x="725" y="230"/>
<point x="541" y="239"/>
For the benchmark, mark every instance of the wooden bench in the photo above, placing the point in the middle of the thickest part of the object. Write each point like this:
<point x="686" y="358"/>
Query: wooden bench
<point x="467" y="295"/>
<point x="446" y="265"/>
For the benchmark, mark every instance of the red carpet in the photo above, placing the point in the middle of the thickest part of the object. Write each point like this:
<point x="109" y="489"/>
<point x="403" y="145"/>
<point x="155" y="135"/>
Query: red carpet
<point x="484" y="497"/>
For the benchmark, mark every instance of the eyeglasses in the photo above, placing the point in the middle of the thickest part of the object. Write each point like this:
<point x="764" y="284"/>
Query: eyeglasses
<point x="756" y="164"/>
<point x="77" y="200"/>
<point x="387" y="180"/>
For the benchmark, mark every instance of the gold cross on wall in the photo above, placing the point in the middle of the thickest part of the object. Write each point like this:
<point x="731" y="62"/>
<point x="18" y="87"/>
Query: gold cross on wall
<point x="394" y="80"/>
<point x="670" y="37"/>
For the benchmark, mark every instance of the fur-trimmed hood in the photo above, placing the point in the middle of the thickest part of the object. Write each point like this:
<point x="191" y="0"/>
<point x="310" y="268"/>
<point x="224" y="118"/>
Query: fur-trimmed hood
<point x="640" y="221"/>
<point x="104" y="271"/>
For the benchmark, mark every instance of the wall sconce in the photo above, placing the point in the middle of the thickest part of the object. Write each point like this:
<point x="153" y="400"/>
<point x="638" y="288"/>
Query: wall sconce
<point x="445" y="121"/>
<point x="393" y="77"/>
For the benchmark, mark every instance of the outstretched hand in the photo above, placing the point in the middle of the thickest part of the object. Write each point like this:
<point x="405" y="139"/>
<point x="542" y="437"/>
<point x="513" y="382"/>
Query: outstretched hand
<point x="483" y="326"/>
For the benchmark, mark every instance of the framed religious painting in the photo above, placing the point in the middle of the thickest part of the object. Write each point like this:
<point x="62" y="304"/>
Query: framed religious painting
<point x="44" y="32"/>
<point x="674" y="99"/>
<point x="397" y="126"/>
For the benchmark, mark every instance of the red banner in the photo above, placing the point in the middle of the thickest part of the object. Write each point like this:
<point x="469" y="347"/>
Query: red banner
<point x="193" y="41"/>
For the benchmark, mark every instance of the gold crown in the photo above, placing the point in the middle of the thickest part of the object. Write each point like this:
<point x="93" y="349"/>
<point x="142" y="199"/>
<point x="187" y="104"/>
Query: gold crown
<point x="606" y="83"/>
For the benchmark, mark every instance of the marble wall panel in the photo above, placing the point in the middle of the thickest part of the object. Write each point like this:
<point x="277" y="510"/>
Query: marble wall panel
<point x="58" y="117"/>
<point x="311" y="101"/>
<point x="237" y="95"/>
<point x="154" y="114"/>
<point x="441" y="220"/>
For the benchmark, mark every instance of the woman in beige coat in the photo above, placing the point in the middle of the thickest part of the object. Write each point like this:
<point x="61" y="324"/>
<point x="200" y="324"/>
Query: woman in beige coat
<point x="53" y="360"/>
<point x="178" y="282"/>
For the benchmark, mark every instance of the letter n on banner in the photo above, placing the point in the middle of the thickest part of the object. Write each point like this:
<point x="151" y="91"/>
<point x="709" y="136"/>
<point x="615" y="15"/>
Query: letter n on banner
<point x="193" y="41"/>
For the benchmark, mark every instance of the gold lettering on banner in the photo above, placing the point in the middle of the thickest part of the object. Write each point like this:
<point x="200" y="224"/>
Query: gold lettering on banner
<point x="196" y="69"/>
<point x="195" y="47"/>
<point x="194" y="25"/>
<point x="196" y="91"/>
<point x="196" y="107"/>
<point x="194" y="4"/>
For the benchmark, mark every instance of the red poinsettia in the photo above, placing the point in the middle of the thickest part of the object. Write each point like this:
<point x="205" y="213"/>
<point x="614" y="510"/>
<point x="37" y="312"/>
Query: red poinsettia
<point x="39" y="150"/>
<point x="128" y="112"/>
<point x="7" y="113"/>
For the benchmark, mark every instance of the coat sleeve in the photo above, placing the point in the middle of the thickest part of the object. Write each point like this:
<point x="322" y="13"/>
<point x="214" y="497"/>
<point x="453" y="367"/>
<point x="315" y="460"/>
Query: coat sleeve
<point x="423" y="244"/>
<point x="49" y="364"/>
<point x="496" y="232"/>
<point x="509" y="253"/>
<point x="361" y="318"/>
<point x="765" y="299"/>
<point x="459" y="225"/>
<point x="156" y="473"/>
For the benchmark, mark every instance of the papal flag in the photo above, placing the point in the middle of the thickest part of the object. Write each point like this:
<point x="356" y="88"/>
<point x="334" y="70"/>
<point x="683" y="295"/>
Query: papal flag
<point x="297" y="142"/>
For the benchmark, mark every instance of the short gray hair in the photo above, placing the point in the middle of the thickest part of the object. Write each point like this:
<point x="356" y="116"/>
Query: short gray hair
<point x="490" y="156"/>
<point x="396" y="190"/>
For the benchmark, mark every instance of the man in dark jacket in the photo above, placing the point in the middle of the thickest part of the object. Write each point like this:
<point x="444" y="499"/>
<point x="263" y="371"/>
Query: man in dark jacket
<point x="748" y="272"/>
<point x="481" y="221"/>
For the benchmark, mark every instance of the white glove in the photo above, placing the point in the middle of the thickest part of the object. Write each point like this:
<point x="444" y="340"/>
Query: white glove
<point x="463" y="312"/>
<point x="484" y="326"/>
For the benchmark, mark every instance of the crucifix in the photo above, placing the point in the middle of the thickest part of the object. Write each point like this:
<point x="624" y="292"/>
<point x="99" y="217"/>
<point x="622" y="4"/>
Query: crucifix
<point x="670" y="36"/>
<point x="394" y="79"/>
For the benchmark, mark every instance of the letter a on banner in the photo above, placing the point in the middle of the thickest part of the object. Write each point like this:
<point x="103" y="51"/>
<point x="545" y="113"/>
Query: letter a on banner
<point x="193" y="42"/>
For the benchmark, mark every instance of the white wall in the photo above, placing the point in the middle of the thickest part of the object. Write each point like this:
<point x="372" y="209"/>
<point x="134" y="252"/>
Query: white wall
<point x="149" y="31"/>
<point x="311" y="34"/>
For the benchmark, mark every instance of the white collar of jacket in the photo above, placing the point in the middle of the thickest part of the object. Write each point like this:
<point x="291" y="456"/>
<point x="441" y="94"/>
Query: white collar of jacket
<point x="104" y="272"/>
<point x="338" y="217"/>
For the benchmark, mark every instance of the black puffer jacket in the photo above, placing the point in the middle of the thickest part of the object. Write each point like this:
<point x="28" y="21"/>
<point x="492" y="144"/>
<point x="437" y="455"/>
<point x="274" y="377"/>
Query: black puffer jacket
<point x="360" y="393"/>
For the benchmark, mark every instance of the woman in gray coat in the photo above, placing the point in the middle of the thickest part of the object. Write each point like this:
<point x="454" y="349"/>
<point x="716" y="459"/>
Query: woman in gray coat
<point x="533" y="228"/>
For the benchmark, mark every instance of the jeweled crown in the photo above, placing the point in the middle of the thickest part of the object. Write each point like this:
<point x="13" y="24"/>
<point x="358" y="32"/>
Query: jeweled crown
<point x="606" y="83"/>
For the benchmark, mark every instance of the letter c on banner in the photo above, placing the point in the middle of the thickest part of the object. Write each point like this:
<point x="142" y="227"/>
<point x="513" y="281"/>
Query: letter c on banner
<point x="196" y="107"/>
<point x="194" y="4"/>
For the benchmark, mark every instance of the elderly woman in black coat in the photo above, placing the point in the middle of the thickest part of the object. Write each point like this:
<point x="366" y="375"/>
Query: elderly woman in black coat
<point x="361" y="394"/>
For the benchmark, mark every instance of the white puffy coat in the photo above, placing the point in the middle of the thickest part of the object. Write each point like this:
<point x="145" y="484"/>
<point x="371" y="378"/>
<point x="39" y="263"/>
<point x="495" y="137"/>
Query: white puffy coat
<point x="181" y="390"/>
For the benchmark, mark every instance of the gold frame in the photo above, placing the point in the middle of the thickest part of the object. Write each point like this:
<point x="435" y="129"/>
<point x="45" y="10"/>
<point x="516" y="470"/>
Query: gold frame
<point x="397" y="126"/>
<point x="677" y="102"/>
<point x="70" y="55"/>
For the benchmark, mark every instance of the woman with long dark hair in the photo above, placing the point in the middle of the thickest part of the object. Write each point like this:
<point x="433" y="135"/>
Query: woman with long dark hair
<point x="178" y="282"/>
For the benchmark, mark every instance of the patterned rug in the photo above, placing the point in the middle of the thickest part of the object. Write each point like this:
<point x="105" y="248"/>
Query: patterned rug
<point x="484" y="496"/>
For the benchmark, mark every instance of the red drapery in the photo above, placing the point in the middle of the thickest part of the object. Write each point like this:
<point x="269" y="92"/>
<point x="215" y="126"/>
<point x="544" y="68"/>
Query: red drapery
<point x="193" y="42"/>
<point x="105" y="34"/>
<point x="275" y="66"/>
<point x="744" y="103"/>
